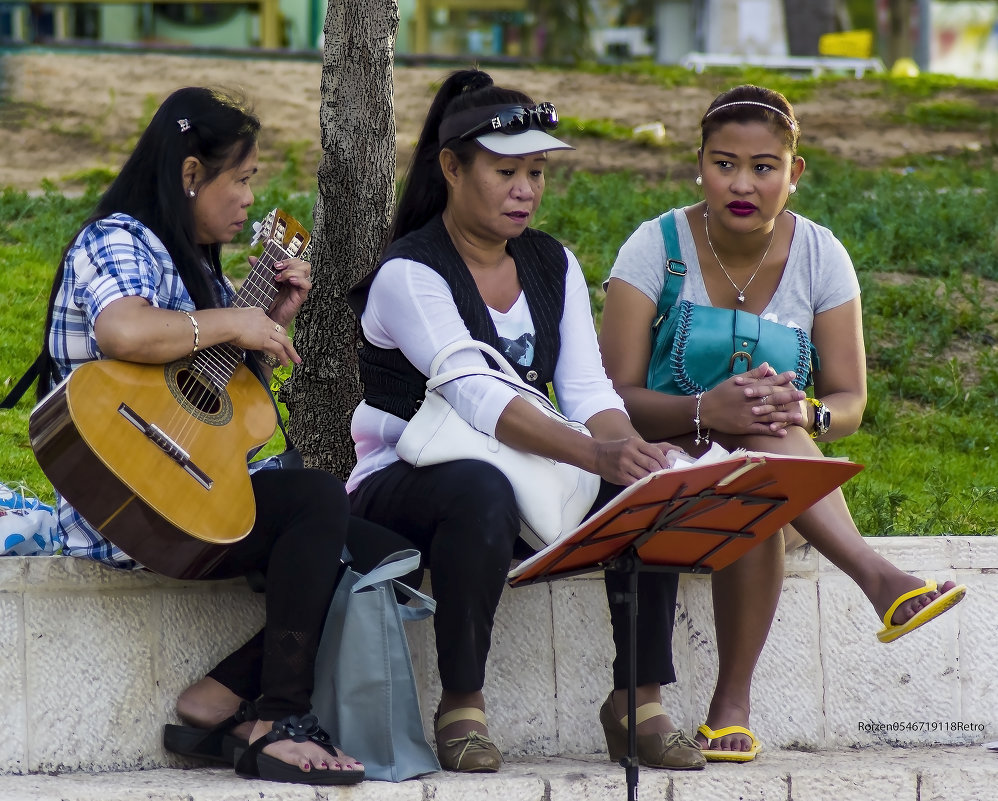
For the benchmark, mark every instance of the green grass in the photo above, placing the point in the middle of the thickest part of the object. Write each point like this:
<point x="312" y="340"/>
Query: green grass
<point x="596" y="129"/>
<point x="921" y="231"/>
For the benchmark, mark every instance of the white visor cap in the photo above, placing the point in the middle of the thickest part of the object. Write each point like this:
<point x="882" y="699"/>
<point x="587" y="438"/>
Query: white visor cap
<point x="521" y="144"/>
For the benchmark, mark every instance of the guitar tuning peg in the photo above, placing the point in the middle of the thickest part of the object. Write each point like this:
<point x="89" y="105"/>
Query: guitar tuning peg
<point x="257" y="233"/>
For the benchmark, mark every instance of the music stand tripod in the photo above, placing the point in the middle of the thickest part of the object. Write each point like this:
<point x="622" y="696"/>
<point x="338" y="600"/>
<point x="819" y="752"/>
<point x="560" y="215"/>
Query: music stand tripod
<point x="695" y="520"/>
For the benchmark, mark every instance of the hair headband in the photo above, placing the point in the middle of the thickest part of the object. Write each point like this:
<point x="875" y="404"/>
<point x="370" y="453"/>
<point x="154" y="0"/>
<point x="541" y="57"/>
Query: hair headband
<point x="790" y="121"/>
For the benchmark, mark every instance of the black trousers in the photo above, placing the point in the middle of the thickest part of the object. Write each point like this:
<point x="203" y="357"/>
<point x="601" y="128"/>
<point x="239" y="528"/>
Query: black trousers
<point x="462" y="516"/>
<point x="302" y="523"/>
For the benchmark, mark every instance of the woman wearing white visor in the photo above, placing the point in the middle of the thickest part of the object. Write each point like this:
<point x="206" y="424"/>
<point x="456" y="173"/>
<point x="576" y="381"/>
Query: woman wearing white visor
<point x="462" y="263"/>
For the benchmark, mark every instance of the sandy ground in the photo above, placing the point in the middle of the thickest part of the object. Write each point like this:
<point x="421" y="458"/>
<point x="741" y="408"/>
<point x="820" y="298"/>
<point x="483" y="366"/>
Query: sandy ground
<point x="64" y="113"/>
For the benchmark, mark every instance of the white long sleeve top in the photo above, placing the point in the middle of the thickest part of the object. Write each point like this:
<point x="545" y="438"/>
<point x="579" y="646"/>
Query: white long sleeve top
<point x="410" y="307"/>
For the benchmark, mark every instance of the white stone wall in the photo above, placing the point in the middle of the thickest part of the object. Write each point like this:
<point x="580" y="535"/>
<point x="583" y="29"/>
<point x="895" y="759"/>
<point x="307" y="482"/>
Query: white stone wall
<point x="91" y="660"/>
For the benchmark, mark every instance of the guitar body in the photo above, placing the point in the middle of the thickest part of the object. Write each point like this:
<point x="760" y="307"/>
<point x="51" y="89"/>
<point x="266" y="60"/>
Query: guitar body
<point x="155" y="459"/>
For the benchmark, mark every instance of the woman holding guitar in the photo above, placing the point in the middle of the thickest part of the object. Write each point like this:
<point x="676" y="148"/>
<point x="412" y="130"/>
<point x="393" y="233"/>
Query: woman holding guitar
<point x="141" y="282"/>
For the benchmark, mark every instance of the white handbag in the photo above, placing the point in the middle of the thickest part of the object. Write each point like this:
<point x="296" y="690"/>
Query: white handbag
<point x="552" y="496"/>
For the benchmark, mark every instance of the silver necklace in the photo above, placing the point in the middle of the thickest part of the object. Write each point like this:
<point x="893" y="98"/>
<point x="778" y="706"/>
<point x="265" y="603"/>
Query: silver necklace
<point x="739" y="290"/>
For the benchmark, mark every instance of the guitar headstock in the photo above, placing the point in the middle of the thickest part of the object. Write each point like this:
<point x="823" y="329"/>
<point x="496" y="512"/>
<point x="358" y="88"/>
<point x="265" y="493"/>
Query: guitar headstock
<point x="285" y="231"/>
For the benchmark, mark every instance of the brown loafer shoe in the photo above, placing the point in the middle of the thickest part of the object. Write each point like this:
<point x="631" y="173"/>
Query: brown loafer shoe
<point x="674" y="751"/>
<point x="472" y="753"/>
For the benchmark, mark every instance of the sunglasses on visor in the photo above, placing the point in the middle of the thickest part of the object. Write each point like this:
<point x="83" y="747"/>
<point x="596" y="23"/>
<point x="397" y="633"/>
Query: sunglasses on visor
<point x="515" y="120"/>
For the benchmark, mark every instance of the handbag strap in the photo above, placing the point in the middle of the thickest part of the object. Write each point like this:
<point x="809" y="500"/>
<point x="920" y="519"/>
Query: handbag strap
<point x="472" y="344"/>
<point x="675" y="267"/>
<point x="519" y="386"/>
<point x="506" y="373"/>
<point x="390" y="569"/>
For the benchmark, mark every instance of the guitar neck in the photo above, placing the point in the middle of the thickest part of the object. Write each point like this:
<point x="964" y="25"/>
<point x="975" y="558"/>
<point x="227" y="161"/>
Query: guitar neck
<point x="285" y="239"/>
<point x="219" y="362"/>
<point x="259" y="288"/>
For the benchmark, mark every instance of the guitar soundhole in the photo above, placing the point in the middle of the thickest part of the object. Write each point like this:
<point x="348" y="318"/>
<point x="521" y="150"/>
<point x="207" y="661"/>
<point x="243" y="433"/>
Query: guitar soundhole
<point x="198" y="396"/>
<point x="198" y="393"/>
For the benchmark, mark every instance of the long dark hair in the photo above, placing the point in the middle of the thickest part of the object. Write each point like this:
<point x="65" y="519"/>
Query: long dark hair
<point x="424" y="191"/>
<point x="748" y="103"/>
<point x="218" y="129"/>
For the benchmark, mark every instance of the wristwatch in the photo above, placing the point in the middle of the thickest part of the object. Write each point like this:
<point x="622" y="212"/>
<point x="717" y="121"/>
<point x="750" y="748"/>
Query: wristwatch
<point x="822" y="418"/>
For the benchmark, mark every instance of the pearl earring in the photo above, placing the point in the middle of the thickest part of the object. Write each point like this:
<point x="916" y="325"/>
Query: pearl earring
<point x="792" y="188"/>
<point x="699" y="181"/>
<point x="192" y="193"/>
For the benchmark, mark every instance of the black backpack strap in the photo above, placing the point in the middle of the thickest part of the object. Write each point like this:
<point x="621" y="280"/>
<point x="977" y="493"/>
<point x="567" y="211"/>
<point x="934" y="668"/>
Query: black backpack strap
<point x="291" y="456"/>
<point x="24" y="382"/>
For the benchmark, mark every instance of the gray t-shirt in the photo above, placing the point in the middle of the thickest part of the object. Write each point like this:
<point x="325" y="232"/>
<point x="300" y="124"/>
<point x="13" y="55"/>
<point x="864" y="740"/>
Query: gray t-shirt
<point x="819" y="274"/>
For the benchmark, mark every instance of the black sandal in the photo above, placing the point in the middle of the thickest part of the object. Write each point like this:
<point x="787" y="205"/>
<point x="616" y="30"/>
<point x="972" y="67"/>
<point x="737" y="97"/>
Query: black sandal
<point x="216" y="744"/>
<point x="252" y="763"/>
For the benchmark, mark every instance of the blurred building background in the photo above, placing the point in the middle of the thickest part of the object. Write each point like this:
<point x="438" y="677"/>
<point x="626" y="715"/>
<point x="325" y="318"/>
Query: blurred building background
<point x="955" y="36"/>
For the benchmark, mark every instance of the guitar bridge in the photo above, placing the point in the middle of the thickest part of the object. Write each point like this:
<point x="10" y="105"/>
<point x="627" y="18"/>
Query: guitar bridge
<point x="167" y="444"/>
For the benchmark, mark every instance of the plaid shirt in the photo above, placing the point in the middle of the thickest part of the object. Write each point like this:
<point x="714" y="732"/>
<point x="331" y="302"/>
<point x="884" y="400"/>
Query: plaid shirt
<point x="112" y="258"/>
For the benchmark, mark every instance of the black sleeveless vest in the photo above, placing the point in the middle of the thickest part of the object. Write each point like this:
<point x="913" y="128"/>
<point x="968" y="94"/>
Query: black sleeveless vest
<point x="393" y="384"/>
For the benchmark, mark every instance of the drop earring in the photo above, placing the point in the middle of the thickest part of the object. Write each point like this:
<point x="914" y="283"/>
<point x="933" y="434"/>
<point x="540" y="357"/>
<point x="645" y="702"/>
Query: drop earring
<point x="792" y="188"/>
<point x="699" y="181"/>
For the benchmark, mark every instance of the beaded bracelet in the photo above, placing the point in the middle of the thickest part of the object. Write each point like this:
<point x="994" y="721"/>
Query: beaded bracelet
<point x="197" y="332"/>
<point x="703" y="437"/>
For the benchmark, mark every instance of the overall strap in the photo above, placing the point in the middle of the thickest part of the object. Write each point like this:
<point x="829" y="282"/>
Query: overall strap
<point x="26" y="380"/>
<point x="253" y="365"/>
<point x="675" y="267"/>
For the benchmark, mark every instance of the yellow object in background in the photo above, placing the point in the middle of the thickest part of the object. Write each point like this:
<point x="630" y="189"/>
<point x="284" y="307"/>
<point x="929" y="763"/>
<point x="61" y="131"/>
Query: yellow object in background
<point x="851" y="44"/>
<point x="904" y="68"/>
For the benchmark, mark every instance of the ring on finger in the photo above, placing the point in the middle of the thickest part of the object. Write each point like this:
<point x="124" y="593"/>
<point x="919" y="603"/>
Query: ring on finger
<point x="277" y="328"/>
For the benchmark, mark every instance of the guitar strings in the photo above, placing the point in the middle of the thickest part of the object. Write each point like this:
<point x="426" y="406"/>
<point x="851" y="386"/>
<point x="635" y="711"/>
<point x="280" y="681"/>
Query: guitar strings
<point x="216" y="365"/>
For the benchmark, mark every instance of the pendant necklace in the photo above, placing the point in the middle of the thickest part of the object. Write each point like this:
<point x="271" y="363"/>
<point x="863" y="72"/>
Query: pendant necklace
<point x="739" y="290"/>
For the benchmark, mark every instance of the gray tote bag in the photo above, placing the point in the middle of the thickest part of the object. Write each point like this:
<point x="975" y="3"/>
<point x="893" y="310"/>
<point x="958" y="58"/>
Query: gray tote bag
<point x="365" y="690"/>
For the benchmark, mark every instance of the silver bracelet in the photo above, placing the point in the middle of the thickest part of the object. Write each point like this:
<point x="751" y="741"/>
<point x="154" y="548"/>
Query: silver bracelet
<point x="197" y="332"/>
<point x="704" y="436"/>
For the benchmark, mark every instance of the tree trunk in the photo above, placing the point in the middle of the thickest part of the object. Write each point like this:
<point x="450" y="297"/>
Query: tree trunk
<point x="356" y="191"/>
<point x="899" y="39"/>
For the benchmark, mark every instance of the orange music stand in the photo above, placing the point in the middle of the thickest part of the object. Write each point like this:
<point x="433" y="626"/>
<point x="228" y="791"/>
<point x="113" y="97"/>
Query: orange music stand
<point x="694" y="519"/>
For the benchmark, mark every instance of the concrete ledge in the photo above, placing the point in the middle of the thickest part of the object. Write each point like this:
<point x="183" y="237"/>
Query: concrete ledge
<point x="91" y="660"/>
<point x="938" y="773"/>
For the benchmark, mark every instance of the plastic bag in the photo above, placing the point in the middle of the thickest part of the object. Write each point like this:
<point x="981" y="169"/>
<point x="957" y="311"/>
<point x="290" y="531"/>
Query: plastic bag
<point x="28" y="527"/>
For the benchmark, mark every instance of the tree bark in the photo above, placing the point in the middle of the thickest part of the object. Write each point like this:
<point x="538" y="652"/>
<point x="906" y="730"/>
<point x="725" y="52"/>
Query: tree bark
<point x="899" y="38"/>
<point x="356" y="178"/>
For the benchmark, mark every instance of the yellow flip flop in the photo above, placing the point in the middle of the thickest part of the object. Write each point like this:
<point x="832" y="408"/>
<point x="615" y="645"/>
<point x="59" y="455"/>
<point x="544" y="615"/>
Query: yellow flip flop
<point x="715" y="755"/>
<point x="933" y="609"/>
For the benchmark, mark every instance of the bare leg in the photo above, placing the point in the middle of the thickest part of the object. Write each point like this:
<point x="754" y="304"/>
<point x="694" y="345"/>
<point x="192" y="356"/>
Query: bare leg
<point x="207" y="703"/>
<point x="746" y="594"/>
<point x="829" y="527"/>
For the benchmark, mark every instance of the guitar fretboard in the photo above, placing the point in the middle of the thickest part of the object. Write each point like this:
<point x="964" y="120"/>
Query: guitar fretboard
<point x="218" y="362"/>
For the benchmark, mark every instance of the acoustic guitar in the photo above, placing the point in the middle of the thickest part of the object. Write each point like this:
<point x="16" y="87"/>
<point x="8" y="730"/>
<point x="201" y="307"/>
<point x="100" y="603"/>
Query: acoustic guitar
<point x="154" y="456"/>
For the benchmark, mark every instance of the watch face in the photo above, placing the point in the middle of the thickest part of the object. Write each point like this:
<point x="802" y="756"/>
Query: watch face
<point x="823" y="419"/>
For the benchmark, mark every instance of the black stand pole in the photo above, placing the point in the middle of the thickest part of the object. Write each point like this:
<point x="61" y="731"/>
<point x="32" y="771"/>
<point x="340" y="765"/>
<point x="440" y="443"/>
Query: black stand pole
<point x="626" y="564"/>
<point x="630" y="563"/>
